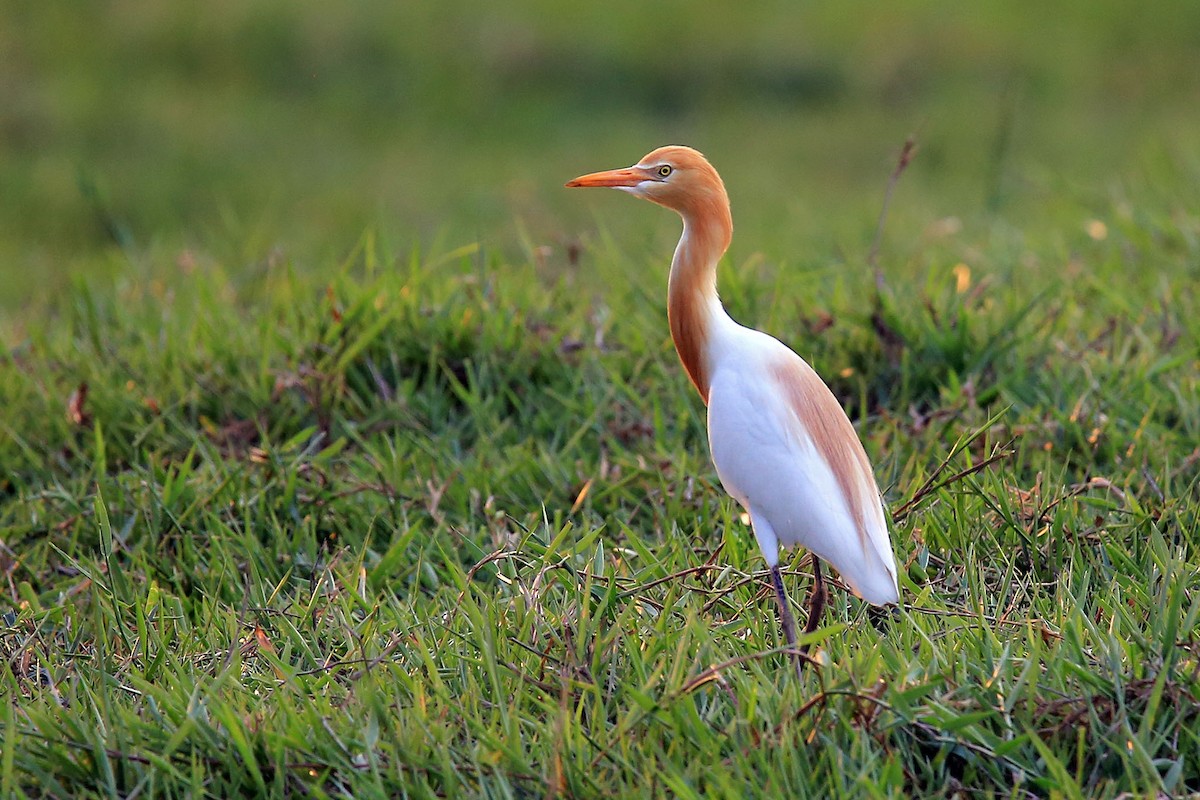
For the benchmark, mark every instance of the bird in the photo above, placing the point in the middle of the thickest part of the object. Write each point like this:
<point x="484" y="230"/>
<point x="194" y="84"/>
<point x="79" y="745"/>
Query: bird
<point x="781" y="443"/>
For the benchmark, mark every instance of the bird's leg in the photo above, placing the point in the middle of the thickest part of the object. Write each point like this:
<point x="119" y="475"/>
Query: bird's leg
<point x="816" y="600"/>
<point x="787" y="621"/>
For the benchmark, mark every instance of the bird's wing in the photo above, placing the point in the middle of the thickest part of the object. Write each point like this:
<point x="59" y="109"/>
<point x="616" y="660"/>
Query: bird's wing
<point x="785" y="449"/>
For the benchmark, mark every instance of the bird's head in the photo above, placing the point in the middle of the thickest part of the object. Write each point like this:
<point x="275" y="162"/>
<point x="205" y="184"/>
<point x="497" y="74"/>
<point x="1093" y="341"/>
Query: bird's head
<point x="676" y="177"/>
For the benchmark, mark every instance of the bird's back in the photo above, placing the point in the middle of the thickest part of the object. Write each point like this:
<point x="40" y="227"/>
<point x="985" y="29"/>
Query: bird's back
<point x="785" y="450"/>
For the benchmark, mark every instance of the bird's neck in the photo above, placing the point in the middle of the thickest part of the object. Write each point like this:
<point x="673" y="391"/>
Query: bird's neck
<point x="693" y="308"/>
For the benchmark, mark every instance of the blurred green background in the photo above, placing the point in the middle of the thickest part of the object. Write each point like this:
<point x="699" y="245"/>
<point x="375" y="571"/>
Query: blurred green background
<point x="242" y="131"/>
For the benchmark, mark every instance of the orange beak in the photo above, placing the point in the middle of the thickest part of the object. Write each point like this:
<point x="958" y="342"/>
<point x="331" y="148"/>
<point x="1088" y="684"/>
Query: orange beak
<point x="627" y="176"/>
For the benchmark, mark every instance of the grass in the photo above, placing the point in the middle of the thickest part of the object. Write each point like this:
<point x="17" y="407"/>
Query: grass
<point x="404" y="513"/>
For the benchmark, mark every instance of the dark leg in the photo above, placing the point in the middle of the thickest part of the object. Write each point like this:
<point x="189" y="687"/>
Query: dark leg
<point x="816" y="600"/>
<point x="787" y="621"/>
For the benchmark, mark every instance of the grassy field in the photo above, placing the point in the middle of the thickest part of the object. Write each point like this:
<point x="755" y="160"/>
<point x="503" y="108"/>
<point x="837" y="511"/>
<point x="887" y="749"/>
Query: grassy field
<point x="343" y="453"/>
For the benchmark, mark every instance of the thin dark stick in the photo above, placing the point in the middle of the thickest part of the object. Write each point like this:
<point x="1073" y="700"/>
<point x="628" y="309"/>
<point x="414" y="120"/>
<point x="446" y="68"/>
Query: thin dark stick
<point x="906" y="154"/>
<point x="787" y="621"/>
<point x="931" y="484"/>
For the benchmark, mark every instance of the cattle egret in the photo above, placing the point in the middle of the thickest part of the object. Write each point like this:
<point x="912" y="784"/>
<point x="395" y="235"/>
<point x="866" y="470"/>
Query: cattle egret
<point x="782" y="445"/>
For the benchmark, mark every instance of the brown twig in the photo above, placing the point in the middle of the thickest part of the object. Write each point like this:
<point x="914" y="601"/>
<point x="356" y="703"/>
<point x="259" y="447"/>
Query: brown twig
<point x="683" y="573"/>
<point x="932" y="484"/>
<point x="906" y="154"/>
<point x="714" y="672"/>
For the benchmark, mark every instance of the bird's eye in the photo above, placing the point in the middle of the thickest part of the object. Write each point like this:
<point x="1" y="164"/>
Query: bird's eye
<point x="664" y="170"/>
